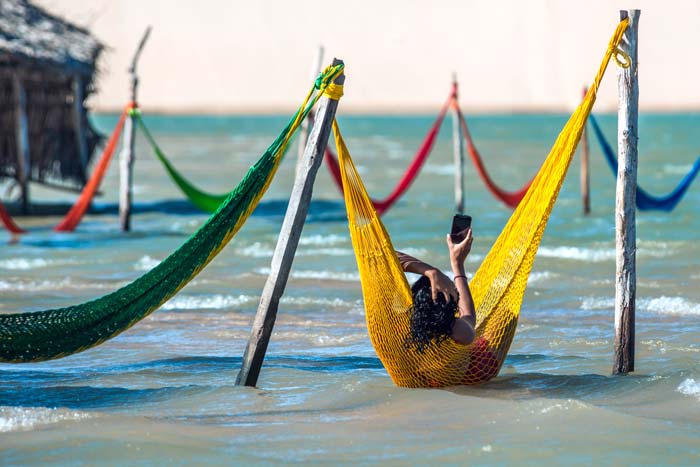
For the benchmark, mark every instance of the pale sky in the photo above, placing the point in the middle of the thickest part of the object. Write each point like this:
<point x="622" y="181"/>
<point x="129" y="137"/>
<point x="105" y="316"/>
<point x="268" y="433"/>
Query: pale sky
<point x="509" y="55"/>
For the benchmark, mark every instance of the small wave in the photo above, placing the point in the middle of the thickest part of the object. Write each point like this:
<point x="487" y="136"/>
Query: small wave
<point x="660" y="305"/>
<point x="670" y="306"/>
<point x="598" y="303"/>
<point x="146" y="263"/>
<point x="65" y="284"/>
<point x="322" y="275"/>
<point x="22" y="418"/>
<point x="256" y="250"/>
<point x="33" y="263"/>
<point x="208" y="302"/>
<point x="576" y="253"/>
<point x="326" y="302"/>
<point x="540" y="276"/>
<point x="326" y="252"/>
<point x="324" y="240"/>
<point x="690" y="387"/>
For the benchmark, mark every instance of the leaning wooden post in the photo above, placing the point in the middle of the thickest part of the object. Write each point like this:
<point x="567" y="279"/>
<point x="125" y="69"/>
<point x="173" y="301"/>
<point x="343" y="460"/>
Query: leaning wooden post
<point x="304" y="129"/>
<point x="625" y="195"/>
<point x="585" y="177"/>
<point x="79" y="123"/>
<point x="458" y="149"/>
<point x="288" y="240"/>
<point x="126" y="159"/>
<point x="22" y="138"/>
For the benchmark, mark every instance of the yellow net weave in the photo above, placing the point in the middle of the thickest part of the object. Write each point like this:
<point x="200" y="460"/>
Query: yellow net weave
<point x="498" y="285"/>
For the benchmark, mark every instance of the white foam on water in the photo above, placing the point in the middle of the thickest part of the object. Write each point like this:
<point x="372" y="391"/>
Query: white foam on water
<point x="578" y="254"/>
<point x="256" y="250"/>
<point x="208" y="302"/>
<point x="326" y="252"/>
<point x="320" y="275"/>
<point x="598" y="303"/>
<point x="217" y="302"/>
<point x="65" y="284"/>
<point x="540" y="276"/>
<point x="146" y="263"/>
<point x="669" y="306"/>
<point x="690" y="387"/>
<point x="324" y="240"/>
<point x="659" y="305"/>
<point x="31" y="263"/>
<point x="325" y="302"/>
<point x="26" y="418"/>
<point x="569" y="404"/>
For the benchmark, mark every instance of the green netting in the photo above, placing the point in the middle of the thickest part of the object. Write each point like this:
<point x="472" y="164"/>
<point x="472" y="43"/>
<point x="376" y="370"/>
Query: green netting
<point x="49" y="334"/>
<point x="205" y="201"/>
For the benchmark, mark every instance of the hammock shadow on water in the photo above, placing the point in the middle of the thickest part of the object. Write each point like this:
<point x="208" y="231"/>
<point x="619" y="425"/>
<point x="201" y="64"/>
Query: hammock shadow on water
<point x="591" y="388"/>
<point x="67" y="388"/>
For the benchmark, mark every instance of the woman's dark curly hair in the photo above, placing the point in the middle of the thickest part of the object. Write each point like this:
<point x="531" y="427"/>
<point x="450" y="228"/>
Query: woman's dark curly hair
<point x="431" y="322"/>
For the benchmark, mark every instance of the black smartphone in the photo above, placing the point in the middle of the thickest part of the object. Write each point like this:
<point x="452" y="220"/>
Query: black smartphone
<point x="460" y="224"/>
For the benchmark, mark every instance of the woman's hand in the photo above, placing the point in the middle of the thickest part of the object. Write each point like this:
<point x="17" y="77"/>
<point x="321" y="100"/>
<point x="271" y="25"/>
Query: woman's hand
<point x="459" y="251"/>
<point x="440" y="283"/>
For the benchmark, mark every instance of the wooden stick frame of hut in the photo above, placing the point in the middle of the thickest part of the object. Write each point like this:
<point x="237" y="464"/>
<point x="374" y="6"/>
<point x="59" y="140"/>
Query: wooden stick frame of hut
<point x="47" y="70"/>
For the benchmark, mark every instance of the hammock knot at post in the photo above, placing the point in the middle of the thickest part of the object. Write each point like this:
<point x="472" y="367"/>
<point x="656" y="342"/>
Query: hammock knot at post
<point x="334" y="91"/>
<point x="625" y="62"/>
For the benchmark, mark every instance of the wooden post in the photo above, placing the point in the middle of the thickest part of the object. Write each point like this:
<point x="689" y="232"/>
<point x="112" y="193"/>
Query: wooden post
<point x="78" y="121"/>
<point x="626" y="192"/>
<point x="288" y="241"/>
<point x="304" y="129"/>
<point x="458" y="150"/>
<point x="585" y="177"/>
<point x="22" y="138"/>
<point x="126" y="159"/>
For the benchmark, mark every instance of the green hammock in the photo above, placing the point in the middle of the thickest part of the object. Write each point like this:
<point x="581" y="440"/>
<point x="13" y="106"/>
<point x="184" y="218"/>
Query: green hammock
<point x="49" y="334"/>
<point x="205" y="201"/>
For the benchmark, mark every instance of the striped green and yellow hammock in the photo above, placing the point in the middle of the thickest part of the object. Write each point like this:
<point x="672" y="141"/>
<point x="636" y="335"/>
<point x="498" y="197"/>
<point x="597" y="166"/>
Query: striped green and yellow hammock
<point x="498" y="285"/>
<point x="49" y="334"/>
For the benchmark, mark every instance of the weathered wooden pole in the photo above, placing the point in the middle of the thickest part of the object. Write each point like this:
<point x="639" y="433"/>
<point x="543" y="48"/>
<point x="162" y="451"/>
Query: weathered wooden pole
<point x="79" y="123"/>
<point x="626" y="192"/>
<point x="126" y="159"/>
<point x="22" y="138"/>
<point x="288" y="240"/>
<point x="585" y="177"/>
<point x="304" y="129"/>
<point x="458" y="149"/>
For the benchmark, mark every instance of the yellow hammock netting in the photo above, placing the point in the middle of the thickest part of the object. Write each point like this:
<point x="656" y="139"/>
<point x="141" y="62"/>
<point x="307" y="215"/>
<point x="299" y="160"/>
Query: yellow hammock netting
<point x="498" y="285"/>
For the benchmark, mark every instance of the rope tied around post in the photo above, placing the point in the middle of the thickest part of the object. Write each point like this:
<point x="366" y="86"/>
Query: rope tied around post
<point x="333" y="91"/>
<point x="626" y="60"/>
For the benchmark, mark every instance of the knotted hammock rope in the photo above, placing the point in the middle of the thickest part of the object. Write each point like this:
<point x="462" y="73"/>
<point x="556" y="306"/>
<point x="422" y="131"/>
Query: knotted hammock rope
<point x="498" y="285"/>
<point x="49" y="334"/>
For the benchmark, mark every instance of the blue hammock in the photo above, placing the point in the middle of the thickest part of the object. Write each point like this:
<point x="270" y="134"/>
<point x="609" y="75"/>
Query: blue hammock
<point x="645" y="201"/>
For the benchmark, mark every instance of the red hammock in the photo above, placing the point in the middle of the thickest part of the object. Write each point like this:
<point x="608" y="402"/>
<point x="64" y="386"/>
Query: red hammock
<point x="510" y="199"/>
<point x="76" y="213"/>
<point x="411" y="173"/>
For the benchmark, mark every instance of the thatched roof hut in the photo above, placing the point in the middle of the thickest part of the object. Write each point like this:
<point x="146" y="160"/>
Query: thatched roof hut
<point x="47" y="69"/>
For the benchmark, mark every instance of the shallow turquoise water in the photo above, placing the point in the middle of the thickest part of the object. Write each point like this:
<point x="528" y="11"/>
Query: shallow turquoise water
<point x="163" y="392"/>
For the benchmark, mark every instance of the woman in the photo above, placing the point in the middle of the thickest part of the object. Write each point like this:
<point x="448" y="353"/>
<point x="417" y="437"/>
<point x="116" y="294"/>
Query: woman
<point x="442" y="307"/>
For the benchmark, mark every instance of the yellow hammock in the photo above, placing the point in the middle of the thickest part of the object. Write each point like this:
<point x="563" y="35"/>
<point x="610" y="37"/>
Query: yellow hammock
<point x="498" y="285"/>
